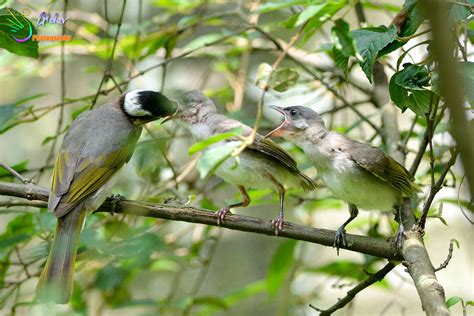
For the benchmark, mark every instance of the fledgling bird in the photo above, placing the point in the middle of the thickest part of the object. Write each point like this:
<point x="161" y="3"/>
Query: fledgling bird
<point x="263" y="164"/>
<point x="358" y="173"/>
<point x="98" y="143"/>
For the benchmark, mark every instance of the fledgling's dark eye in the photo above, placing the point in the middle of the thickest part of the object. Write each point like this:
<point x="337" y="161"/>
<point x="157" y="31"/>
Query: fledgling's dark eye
<point x="293" y="112"/>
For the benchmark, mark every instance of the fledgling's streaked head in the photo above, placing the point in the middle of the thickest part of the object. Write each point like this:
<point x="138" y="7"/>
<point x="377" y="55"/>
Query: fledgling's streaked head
<point x="147" y="105"/>
<point x="297" y="120"/>
<point x="194" y="105"/>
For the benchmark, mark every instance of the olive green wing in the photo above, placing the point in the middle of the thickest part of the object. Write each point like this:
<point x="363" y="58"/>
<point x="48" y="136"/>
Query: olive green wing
<point x="76" y="178"/>
<point x="384" y="167"/>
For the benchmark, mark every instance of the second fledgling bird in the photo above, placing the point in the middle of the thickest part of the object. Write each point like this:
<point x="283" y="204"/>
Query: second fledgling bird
<point x="358" y="173"/>
<point x="263" y="164"/>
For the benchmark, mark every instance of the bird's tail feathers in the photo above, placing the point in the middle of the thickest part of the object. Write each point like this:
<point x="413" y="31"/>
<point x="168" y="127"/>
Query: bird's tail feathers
<point x="56" y="280"/>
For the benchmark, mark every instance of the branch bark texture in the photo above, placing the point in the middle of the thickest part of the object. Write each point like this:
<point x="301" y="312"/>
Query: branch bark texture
<point x="367" y="245"/>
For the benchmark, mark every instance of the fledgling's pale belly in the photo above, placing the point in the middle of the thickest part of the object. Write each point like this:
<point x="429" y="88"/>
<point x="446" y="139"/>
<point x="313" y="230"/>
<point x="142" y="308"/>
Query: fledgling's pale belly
<point x="361" y="188"/>
<point x="255" y="171"/>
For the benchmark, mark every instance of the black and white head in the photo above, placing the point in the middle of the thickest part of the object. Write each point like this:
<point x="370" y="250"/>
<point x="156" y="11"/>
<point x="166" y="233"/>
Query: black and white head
<point x="146" y="105"/>
<point x="297" y="120"/>
<point x="194" y="106"/>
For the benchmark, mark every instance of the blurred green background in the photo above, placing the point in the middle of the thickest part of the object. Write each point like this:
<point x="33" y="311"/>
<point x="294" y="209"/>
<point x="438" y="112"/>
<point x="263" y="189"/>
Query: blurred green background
<point x="129" y="265"/>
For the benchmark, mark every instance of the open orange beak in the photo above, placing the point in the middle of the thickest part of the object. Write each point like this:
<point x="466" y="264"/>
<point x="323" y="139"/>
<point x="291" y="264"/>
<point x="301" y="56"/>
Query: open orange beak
<point x="280" y="129"/>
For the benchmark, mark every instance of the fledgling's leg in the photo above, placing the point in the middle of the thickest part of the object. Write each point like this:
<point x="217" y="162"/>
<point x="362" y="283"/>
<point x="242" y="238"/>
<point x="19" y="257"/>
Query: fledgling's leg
<point x="226" y="209"/>
<point x="340" y="239"/>
<point x="278" y="223"/>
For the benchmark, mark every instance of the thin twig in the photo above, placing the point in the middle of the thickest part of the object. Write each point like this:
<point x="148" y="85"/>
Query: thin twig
<point x="450" y="255"/>
<point x="436" y="187"/>
<point x="378" y="276"/>
<point x="14" y="173"/>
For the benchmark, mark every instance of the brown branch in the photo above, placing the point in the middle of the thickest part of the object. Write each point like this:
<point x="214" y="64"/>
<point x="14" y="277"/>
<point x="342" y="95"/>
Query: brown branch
<point x="448" y="258"/>
<point x="419" y="265"/>
<point x="368" y="245"/>
<point x="378" y="276"/>
<point x="435" y="189"/>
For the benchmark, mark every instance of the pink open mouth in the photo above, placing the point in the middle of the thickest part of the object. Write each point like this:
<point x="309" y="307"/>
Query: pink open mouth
<point x="280" y="129"/>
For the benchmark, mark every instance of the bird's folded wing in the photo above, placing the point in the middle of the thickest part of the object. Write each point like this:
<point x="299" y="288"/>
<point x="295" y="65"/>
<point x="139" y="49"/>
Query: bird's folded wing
<point x="75" y="178"/>
<point x="384" y="167"/>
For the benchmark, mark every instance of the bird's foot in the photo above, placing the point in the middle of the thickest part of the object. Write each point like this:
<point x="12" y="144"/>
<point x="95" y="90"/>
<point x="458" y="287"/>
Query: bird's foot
<point x="340" y="240"/>
<point x="115" y="199"/>
<point x="277" y="224"/>
<point x="399" y="236"/>
<point x="221" y="214"/>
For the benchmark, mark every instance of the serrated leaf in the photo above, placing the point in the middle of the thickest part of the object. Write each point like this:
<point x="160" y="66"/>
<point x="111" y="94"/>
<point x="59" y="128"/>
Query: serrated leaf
<point x="407" y="91"/>
<point x="453" y="300"/>
<point x="279" y="266"/>
<point x="369" y="42"/>
<point x="342" y="61"/>
<point x="16" y="33"/>
<point x="214" y="157"/>
<point x="214" y="139"/>
<point x="342" y="38"/>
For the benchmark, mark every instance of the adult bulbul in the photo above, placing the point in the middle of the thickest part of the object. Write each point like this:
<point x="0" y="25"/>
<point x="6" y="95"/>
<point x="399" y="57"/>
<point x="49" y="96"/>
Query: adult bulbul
<point x="263" y="164"/>
<point x="358" y="173"/>
<point x="98" y="143"/>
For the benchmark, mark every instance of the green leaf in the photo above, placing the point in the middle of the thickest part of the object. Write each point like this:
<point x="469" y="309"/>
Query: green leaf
<point x="466" y="71"/>
<point x="214" y="139"/>
<point x="8" y="242"/>
<point x="342" y="38"/>
<point x="342" y="61"/>
<point x="273" y="6"/>
<point x="456" y="242"/>
<point x="15" y="25"/>
<point x="7" y="113"/>
<point x="453" y="301"/>
<point x="111" y="277"/>
<point x="413" y="77"/>
<point x="322" y="13"/>
<point x="279" y="266"/>
<point x="280" y="80"/>
<point x="213" y="301"/>
<point x="407" y="89"/>
<point x="369" y="42"/>
<point x="19" y="167"/>
<point x="202" y="41"/>
<point x="214" y="157"/>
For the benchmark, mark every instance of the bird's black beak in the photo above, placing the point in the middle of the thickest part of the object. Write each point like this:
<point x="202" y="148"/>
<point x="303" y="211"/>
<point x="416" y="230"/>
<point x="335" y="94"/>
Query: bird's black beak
<point x="279" y="130"/>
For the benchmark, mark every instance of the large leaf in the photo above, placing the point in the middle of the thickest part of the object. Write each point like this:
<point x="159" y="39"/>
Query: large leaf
<point x="407" y="89"/>
<point x="16" y="33"/>
<point x="369" y="41"/>
<point x="281" y="263"/>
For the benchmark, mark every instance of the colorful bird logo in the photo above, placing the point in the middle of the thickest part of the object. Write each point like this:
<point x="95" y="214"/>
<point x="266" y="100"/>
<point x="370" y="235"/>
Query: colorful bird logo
<point x="16" y="26"/>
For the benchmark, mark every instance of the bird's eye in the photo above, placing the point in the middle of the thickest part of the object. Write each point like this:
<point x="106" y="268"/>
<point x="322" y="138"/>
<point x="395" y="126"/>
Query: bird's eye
<point x="293" y="112"/>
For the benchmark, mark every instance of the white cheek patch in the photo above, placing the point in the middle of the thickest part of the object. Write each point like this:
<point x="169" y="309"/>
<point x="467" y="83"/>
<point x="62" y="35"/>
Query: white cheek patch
<point x="132" y="104"/>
